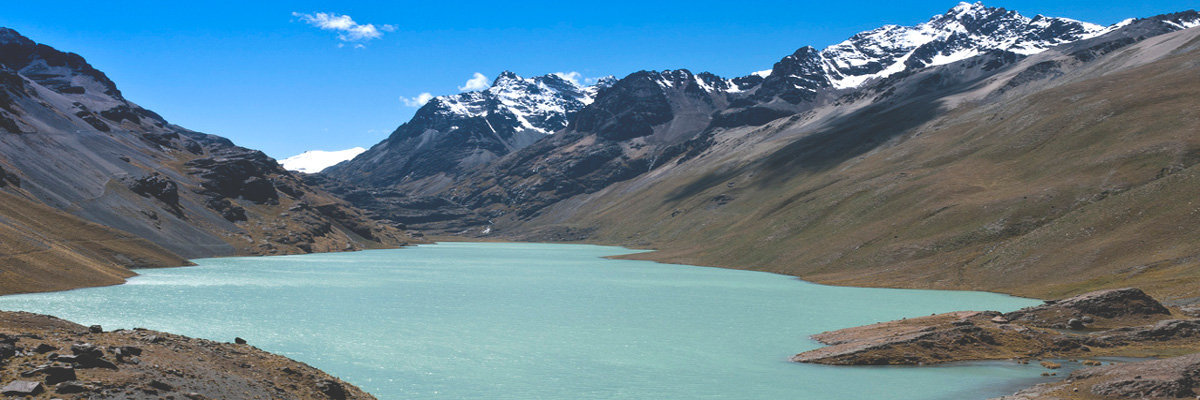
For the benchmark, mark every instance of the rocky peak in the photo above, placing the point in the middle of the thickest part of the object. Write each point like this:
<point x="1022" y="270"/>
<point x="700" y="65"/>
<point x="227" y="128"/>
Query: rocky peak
<point x="66" y="73"/>
<point x="796" y="77"/>
<point x="966" y="30"/>
<point x="469" y="129"/>
<point x="505" y="77"/>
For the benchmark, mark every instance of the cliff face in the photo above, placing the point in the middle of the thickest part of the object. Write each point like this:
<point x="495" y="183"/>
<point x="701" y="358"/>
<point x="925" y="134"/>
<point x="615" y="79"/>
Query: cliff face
<point x="70" y="141"/>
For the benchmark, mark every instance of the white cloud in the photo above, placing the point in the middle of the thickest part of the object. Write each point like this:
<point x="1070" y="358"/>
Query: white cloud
<point x="347" y="29"/>
<point x="477" y="82"/>
<point x="572" y="76"/>
<point x="418" y="101"/>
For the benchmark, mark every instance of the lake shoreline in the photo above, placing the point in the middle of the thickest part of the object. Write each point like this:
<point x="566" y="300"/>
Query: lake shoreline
<point x="784" y="282"/>
<point x="642" y="251"/>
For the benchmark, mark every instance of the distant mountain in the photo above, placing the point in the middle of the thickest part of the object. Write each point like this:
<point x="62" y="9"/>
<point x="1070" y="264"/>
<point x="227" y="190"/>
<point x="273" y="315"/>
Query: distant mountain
<point x="979" y="150"/>
<point x="965" y="31"/>
<point x="648" y="117"/>
<point x="460" y="132"/>
<point x="141" y="191"/>
<point x="314" y="161"/>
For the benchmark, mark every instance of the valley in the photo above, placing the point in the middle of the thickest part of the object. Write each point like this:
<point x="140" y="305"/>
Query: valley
<point x="981" y="150"/>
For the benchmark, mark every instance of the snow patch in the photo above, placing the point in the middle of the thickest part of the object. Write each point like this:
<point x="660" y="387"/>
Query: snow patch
<point x="314" y="161"/>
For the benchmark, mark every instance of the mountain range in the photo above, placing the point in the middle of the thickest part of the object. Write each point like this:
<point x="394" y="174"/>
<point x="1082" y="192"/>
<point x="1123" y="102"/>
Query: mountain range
<point x="940" y="155"/>
<point x="982" y="149"/>
<point x="94" y="184"/>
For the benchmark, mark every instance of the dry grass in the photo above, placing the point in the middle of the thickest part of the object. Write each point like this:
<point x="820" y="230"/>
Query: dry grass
<point x="43" y="249"/>
<point x="1073" y="188"/>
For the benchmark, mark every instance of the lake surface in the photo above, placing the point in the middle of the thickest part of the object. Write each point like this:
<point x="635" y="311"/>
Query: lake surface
<point x="537" y="321"/>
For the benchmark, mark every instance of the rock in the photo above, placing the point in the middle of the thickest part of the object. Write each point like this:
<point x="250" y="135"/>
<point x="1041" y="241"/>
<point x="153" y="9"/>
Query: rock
<point x="239" y="340"/>
<point x="160" y="385"/>
<point x="71" y="387"/>
<point x="1087" y="319"/>
<point x="1109" y="304"/>
<point x="96" y="329"/>
<point x="227" y="209"/>
<point x="54" y="373"/>
<point x="332" y="389"/>
<point x="44" y="348"/>
<point x="1000" y="320"/>
<point x="1167" y="378"/>
<point x="125" y="351"/>
<point x="87" y="355"/>
<point x="22" y="388"/>
<point x="1075" y="323"/>
<point x="86" y="350"/>
<point x="7" y="350"/>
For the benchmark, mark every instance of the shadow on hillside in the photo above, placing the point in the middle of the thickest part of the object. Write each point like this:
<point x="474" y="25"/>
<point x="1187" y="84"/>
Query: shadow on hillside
<point x="847" y="137"/>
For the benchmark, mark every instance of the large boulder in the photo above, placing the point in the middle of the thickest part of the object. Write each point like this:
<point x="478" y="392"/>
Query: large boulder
<point x="157" y="186"/>
<point x="1103" y="305"/>
<point x="22" y="388"/>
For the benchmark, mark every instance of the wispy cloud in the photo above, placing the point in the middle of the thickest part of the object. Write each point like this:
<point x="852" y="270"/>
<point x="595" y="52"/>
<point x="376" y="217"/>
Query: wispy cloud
<point x="572" y="76"/>
<point x="418" y="101"/>
<point x="477" y="82"/>
<point x="346" y="28"/>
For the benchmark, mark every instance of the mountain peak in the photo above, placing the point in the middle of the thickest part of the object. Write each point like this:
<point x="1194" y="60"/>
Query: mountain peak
<point x="8" y="35"/>
<point x="964" y="8"/>
<point x="506" y="76"/>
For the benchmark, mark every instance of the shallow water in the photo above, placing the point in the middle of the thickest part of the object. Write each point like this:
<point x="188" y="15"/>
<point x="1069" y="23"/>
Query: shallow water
<point x="525" y="321"/>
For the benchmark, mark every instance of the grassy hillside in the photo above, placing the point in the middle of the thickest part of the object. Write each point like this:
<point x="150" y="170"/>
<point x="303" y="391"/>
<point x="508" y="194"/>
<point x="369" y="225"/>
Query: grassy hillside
<point x="1043" y="189"/>
<point x="43" y="249"/>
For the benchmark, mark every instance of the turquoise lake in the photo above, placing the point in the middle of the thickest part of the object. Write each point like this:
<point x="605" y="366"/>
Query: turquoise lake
<point x="538" y="321"/>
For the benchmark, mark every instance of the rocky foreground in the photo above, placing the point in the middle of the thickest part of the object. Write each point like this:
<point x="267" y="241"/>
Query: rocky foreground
<point x="44" y="357"/>
<point x="1108" y="323"/>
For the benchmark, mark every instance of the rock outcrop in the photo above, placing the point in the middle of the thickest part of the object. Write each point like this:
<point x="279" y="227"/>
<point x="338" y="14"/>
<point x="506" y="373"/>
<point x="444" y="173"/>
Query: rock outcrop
<point x="144" y="364"/>
<point x="1171" y="378"/>
<point x="1115" y="307"/>
<point x="1139" y="326"/>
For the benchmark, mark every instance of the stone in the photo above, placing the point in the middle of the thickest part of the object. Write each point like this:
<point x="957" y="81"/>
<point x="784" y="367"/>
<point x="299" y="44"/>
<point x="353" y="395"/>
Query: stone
<point x="332" y="389"/>
<point x="22" y="388"/>
<point x="123" y="352"/>
<point x="239" y="340"/>
<point x="44" y="348"/>
<point x="54" y="373"/>
<point x="1075" y="323"/>
<point x="160" y="385"/>
<point x="96" y="329"/>
<point x="71" y="387"/>
<point x="87" y="355"/>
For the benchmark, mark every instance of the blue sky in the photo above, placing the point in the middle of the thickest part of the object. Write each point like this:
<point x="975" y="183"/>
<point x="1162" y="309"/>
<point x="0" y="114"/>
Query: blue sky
<point x="261" y="74"/>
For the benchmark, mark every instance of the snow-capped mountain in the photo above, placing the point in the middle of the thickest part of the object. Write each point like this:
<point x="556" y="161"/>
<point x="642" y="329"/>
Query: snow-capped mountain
<point x="965" y="31"/>
<point x="539" y="104"/>
<point x="314" y="161"/>
<point x="455" y="132"/>
<point x="651" y="115"/>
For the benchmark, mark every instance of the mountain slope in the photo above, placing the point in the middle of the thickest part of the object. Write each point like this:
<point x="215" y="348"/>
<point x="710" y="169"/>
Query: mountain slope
<point x="74" y="143"/>
<point x="451" y="134"/>
<point x="652" y="116"/>
<point x="45" y="249"/>
<point x="1058" y="173"/>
